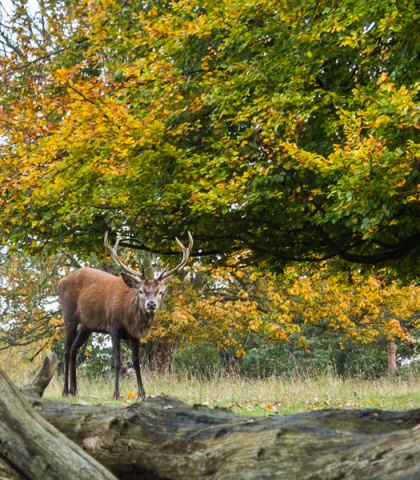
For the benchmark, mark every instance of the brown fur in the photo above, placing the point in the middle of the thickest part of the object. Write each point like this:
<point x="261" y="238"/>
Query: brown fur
<point x="96" y="301"/>
<point x="125" y="307"/>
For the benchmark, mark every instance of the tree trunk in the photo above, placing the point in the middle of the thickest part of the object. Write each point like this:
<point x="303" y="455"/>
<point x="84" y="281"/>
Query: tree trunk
<point x="163" y="438"/>
<point x="392" y="357"/>
<point x="163" y="355"/>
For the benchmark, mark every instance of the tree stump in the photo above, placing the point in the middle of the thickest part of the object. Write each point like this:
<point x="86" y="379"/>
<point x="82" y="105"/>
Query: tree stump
<point x="164" y="438"/>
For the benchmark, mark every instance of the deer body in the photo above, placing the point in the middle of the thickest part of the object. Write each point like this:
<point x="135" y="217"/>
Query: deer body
<point x="102" y="301"/>
<point x="124" y="307"/>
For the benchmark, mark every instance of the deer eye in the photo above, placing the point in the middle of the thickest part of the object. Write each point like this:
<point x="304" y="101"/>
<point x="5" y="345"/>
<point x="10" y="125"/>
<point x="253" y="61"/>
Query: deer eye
<point x="141" y="291"/>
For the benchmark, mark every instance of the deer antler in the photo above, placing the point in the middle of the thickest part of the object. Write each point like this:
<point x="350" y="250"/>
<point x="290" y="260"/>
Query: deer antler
<point x="185" y="254"/>
<point x="118" y="261"/>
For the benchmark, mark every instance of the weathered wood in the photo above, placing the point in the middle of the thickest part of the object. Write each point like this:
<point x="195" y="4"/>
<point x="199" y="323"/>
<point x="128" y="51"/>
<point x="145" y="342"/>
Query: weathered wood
<point x="42" y="377"/>
<point x="164" y="438"/>
<point x="31" y="448"/>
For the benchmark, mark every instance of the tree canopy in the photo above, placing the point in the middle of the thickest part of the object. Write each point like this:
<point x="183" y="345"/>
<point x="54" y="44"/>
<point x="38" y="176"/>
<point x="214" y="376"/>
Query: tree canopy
<point x="282" y="130"/>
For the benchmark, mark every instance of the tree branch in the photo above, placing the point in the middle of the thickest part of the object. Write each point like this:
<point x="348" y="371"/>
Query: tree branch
<point x="393" y="252"/>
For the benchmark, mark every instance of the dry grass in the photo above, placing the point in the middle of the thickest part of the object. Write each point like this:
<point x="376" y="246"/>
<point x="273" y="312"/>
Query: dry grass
<point x="241" y="395"/>
<point x="260" y="397"/>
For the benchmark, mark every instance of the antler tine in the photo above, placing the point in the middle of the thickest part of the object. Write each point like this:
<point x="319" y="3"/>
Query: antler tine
<point x="117" y="260"/>
<point x="185" y="255"/>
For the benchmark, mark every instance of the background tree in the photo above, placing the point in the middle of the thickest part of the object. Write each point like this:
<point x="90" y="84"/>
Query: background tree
<point x="238" y="311"/>
<point x="28" y="301"/>
<point x="237" y="317"/>
<point x="275" y="132"/>
<point x="291" y="122"/>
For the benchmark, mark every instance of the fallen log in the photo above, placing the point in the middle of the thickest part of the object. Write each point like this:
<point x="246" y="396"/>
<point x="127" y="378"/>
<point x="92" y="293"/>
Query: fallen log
<point x="164" y="438"/>
<point x="31" y="448"/>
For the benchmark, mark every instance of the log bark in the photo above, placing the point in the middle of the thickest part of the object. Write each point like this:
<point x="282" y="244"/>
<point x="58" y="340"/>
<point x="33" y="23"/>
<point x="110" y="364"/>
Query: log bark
<point x="164" y="438"/>
<point x="31" y="448"/>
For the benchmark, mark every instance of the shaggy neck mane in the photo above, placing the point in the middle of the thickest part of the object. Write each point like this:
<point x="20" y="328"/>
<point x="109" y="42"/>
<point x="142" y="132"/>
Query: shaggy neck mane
<point x="139" y="323"/>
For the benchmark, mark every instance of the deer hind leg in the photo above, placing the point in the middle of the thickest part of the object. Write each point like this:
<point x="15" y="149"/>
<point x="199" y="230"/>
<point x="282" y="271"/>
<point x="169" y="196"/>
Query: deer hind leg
<point x="135" y="350"/>
<point x="81" y="337"/>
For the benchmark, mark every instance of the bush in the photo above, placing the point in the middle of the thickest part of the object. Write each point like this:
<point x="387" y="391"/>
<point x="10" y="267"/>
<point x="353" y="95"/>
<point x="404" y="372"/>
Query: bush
<point x="203" y="361"/>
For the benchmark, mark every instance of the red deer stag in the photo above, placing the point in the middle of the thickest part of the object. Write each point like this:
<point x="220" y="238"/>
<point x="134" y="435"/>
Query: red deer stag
<point x="124" y="307"/>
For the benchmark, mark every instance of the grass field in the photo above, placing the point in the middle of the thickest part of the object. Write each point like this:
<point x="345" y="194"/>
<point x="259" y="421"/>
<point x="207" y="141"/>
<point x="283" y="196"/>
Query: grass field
<point x="244" y="396"/>
<point x="258" y="397"/>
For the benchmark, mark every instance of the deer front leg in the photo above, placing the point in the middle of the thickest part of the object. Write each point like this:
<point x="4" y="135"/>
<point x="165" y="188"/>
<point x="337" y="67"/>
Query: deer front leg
<point x="116" y="346"/>
<point x="66" y="369"/>
<point x="135" y="350"/>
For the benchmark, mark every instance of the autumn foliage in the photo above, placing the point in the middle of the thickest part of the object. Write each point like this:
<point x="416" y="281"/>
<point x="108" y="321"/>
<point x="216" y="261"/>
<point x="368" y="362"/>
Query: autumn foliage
<point x="276" y="132"/>
<point x="236" y="303"/>
<point x="240" y="121"/>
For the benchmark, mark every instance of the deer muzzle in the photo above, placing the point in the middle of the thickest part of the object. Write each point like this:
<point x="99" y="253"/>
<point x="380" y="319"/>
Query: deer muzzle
<point x="151" y="306"/>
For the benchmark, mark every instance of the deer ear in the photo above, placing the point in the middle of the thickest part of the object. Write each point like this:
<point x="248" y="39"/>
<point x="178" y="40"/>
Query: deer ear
<point x="166" y="280"/>
<point x="129" y="280"/>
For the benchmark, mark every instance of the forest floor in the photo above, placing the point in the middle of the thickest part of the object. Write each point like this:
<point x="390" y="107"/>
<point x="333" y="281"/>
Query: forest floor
<point x="253" y="396"/>
<point x="268" y="396"/>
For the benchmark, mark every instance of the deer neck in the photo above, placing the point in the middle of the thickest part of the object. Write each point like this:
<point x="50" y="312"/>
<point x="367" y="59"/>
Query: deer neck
<point x="145" y="320"/>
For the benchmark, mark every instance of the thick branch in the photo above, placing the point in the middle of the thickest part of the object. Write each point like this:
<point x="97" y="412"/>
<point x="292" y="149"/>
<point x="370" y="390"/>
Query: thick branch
<point x="42" y="378"/>
<point x="30" y="447"/>
<point x="393" y="252"/>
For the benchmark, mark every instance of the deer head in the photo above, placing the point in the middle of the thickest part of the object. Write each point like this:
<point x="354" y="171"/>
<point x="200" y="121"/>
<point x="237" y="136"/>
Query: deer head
<point x="149" y="291"/>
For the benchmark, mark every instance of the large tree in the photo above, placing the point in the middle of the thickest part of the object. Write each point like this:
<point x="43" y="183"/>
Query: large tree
<point x="287" y="130"/>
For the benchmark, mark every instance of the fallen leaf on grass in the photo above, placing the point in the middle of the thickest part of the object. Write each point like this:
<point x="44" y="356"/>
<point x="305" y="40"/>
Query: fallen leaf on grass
<point x="131" y="394"/>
